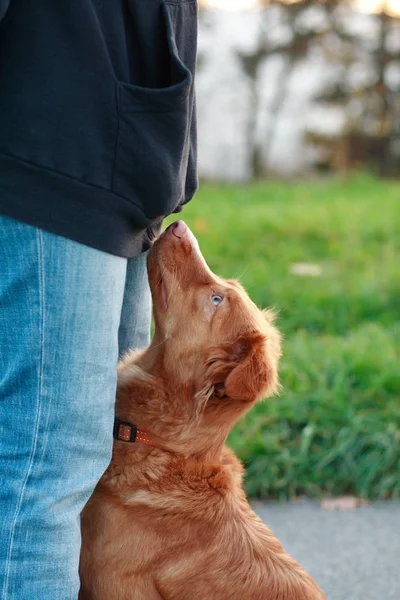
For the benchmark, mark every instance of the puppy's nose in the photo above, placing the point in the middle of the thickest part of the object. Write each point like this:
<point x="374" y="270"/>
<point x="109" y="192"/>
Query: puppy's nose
<point x="178" y="228"/>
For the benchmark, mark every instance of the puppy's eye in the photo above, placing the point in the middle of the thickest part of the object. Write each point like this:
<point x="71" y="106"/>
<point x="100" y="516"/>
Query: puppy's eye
<point x="216" y="299"/>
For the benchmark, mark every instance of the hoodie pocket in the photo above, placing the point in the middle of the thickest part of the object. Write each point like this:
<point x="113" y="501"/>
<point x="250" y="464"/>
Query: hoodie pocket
<point x="154" y="166"/>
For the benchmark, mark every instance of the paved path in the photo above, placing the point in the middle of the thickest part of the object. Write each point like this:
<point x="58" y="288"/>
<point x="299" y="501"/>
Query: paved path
<point x="352" y="555"/>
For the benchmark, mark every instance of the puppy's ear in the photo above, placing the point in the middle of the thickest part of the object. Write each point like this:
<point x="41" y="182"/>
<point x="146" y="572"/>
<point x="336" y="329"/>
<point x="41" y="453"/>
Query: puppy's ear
<point x="246" y="369"/>
<point x="256" y="373"/>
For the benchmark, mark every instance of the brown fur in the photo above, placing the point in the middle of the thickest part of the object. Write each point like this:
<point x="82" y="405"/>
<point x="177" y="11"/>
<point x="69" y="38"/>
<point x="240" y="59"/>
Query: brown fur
<point x="173" y="522"/>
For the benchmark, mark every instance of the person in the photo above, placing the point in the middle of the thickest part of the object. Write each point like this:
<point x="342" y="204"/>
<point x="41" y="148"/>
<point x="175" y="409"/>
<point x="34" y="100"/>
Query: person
<point x="97" y="146"/>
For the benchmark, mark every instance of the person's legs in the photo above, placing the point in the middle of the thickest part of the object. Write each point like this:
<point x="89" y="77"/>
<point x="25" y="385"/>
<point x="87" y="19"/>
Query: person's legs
<point x="134" y="329"/>
<point x="60" y="308"/>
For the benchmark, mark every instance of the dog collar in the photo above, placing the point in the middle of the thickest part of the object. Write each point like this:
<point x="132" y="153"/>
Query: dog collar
<point x="128" y="432"/>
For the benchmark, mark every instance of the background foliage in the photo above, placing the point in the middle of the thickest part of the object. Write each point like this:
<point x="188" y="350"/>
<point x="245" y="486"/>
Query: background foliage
<point x="303" y="86"/>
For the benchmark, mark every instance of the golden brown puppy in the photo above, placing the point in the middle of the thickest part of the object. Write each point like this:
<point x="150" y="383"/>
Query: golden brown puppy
<point x="171" y="520"/>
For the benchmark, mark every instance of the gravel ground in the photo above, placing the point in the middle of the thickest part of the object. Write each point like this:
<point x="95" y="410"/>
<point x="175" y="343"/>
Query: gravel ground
<point x="352" y="554"/>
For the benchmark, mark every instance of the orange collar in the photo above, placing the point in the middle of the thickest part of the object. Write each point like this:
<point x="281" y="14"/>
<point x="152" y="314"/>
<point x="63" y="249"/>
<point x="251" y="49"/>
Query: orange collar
<point x="128" y="432"/>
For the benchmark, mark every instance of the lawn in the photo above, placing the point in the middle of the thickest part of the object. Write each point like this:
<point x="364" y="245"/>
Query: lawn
<point x="335" y="428"/>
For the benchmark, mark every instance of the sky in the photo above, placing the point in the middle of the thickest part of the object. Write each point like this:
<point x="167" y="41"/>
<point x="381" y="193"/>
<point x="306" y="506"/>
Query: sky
<point x="393" y="6"/>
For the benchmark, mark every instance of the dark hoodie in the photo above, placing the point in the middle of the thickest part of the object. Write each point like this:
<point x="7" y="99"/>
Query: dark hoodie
<point x="97" y="118"/>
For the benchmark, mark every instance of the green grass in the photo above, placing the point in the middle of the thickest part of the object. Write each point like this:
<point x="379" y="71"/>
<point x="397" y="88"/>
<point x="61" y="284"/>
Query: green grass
<point x="336" y="426"/>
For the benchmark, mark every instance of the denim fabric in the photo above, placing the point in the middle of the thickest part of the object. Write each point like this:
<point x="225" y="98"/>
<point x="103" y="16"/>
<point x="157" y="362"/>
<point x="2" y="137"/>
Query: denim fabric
<point x="134" y="329"/>
<point x="60" y="324"/>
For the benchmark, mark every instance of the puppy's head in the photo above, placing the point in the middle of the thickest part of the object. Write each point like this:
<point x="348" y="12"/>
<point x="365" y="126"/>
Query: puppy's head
<point x="214" y="352"/>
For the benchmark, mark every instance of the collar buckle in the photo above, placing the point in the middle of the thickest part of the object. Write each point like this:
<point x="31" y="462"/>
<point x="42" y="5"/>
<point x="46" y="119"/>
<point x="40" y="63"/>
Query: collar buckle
<point x="124" y="431"/>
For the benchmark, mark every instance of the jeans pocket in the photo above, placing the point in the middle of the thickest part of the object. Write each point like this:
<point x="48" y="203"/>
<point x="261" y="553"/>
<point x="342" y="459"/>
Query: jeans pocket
<point x="156" y="125"/>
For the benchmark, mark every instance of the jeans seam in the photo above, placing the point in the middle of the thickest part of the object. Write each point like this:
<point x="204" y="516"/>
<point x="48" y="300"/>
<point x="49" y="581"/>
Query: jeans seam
<point x="39" y="238"/>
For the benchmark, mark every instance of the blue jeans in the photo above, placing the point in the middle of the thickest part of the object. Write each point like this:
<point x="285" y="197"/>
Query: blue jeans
<point x="66" y="312"/>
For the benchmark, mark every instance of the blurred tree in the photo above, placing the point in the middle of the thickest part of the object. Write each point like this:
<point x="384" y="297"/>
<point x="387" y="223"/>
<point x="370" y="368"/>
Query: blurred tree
<point x="371" y="107"/>
<point x="371" y="134"/>
<point x="293" y="48"/>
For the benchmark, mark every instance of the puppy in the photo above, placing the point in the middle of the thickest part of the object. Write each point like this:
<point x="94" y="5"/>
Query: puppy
<point x="169" y="518"/>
